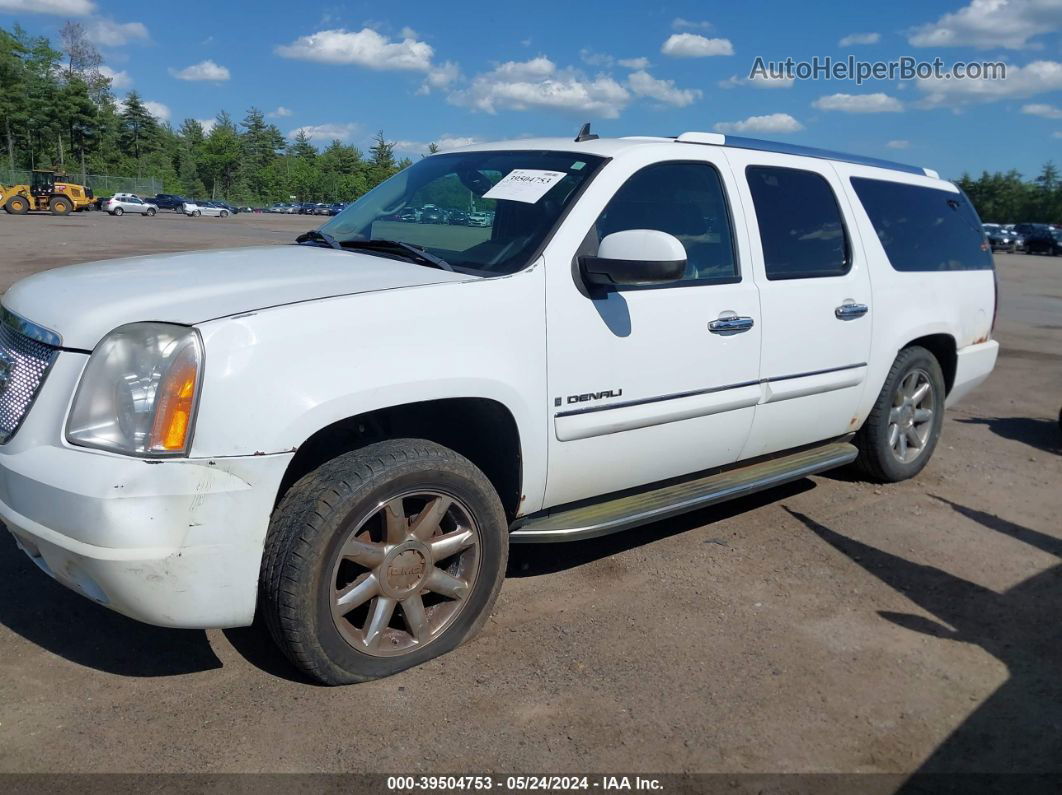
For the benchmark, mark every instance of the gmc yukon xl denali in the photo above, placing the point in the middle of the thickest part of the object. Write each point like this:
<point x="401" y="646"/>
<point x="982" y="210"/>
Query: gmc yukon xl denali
<point x="346" y="435"/>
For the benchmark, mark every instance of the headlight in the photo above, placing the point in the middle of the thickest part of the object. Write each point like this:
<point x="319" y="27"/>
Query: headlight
<point x="139" y="391"/>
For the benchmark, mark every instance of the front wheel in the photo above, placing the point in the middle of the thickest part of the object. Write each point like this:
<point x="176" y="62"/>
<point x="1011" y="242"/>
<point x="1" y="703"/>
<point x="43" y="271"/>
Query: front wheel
<point x="224" y="213"/>
<point x="899" y="436"/>
<point x="150" y="212"/>
<point x="382" y="559"/>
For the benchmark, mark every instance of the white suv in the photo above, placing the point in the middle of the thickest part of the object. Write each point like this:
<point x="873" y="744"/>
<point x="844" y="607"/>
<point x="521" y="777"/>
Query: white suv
<point x="347" y="434"/>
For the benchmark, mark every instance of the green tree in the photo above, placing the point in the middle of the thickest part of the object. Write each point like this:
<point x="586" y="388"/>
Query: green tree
<point x="139" y="131"/>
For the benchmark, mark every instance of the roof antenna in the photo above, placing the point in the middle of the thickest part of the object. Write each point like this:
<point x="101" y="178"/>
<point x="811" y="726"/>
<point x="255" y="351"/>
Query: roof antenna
<point x="585" y="134"/>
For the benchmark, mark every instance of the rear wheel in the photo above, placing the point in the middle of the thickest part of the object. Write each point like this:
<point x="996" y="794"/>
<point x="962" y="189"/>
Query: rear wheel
<point x="117" y="211"/>
<point x="899" y="436"/>
<point x="382" y="559"/>
<point x="60" y="205"/>
<point x="197" y="213"/>
<point x="17" y="205"/>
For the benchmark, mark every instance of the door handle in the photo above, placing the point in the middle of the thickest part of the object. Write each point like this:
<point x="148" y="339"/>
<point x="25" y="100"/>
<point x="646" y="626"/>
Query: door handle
<point x="850" y="311"/>
<point x="730" y="325"/>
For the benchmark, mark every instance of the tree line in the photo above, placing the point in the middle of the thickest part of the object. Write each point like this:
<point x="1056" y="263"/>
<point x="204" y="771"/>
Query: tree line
<point x="1007" y="198"/>
<point x="58" y="111"/>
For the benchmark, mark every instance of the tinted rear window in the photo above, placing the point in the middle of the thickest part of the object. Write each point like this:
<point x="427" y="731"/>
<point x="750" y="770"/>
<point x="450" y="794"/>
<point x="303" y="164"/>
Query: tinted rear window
<point x="924" y="229"/>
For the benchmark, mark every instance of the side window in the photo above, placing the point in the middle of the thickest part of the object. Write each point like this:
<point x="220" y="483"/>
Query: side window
<point x="801" y="228"/>
<point x="924" y="229"/>
<point x="685" y="200"/>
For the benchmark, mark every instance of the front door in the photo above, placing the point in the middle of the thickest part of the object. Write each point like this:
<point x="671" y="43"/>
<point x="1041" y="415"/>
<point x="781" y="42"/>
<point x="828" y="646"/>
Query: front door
<point x="654" y="382"/>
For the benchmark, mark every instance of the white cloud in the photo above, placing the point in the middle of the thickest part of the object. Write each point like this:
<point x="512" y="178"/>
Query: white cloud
<point x="634" y="63"/>
<point x="591" y="58"/>
<point x="108" y="33"/>
<point x="118" y="79"/>
<point x="991" y="23"/>
<point x="678" y="23"/>
<point x="440" y="76"/>
<point x="859" y="38"/>
<point x="771" y="123"/>
<point x="365" y="48"/>
<point x="539" y="84"/>
<point x="445" y="143"/>
<point x="158" y="110"/>
<point x="327" y="132"/>
<point x="643" y="84"/>
<point x="1037" y="77"/>
<point x="1042" y="109"/>
<point x="859" y="103"/>
<point x="65" y="8"/>
<point x="758" y="81"/>
<point x="208" y="124"/>
<point x="692" y="45"/>
<point x="204" y="70"/>
<point x="280" y="113"/>
<point x="898" y="143"/>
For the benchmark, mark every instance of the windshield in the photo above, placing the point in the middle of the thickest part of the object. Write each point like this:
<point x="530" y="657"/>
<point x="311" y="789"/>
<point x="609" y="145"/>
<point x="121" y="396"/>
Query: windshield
<point x="448" y="206"/>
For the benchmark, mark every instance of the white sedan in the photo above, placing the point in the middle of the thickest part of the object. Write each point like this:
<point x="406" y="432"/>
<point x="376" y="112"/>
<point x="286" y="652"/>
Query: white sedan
<point x="193" y="209"/>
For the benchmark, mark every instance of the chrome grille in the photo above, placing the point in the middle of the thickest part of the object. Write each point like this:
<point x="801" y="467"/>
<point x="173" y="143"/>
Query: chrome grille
<point x="24" y="363"/>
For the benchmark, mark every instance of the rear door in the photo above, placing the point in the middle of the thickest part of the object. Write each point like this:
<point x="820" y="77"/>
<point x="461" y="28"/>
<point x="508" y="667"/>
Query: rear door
<point x="815" y="295"/>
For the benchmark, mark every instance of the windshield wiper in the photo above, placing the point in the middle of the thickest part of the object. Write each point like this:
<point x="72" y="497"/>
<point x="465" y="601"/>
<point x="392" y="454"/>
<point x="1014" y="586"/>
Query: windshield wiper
<point x="397" y="246"/>
<point x="316" y="237"/>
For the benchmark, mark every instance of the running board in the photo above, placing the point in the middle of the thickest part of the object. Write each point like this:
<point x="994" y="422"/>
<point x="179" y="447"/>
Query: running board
<point x="602" y="518"/>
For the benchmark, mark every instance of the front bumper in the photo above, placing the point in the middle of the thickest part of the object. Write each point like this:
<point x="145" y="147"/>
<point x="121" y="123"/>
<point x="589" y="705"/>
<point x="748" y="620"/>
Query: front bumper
<point x="172" y="543"/>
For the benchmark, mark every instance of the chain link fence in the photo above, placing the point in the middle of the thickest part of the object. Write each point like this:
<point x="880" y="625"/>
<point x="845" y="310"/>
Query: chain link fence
<point x="101" y="184"/>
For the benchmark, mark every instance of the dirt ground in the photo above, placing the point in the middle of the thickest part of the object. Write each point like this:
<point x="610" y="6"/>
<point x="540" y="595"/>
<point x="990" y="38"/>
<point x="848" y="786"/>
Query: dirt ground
<point x="831" y="625"/>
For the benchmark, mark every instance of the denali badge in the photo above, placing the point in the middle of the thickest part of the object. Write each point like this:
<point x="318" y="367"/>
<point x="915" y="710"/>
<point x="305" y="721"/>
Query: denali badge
<point x="583" y="398"/>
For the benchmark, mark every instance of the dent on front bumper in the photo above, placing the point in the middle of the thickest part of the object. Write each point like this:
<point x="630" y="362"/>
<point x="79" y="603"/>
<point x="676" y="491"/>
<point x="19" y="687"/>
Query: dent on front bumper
<point x="173" y="543"/>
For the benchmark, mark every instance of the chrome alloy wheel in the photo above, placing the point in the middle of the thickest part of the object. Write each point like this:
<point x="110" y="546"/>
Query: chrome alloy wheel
<point x="911" y="416"/>
<point x="403" y="573"/>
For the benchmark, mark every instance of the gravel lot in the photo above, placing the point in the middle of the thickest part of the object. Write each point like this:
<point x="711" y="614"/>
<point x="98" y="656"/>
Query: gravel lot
<point x="831" y="625"/>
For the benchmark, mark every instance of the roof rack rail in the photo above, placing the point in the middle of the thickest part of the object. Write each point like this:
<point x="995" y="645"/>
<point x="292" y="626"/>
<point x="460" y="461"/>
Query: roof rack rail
<point x="738" y="142"/>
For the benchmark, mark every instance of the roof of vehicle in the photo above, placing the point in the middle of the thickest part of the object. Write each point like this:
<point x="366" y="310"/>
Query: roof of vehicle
<point x="611" y="147"/>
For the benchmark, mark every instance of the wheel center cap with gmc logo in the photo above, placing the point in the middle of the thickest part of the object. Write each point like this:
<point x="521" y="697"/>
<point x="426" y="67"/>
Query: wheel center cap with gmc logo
<point x="404" y="569"/>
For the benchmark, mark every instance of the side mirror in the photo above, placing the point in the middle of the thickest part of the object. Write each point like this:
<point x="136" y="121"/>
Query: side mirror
<point x="635" y="258"/>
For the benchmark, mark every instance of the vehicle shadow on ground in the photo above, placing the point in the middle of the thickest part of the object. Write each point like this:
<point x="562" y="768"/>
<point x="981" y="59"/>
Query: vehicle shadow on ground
<point x="1039" y="433"/>
<point x="67" y="624"/>
<point x="532" y="560"/>
<point x="1019" y="727"/>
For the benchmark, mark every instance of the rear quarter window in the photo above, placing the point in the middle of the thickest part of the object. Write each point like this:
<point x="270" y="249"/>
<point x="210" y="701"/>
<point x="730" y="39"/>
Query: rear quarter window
<point x="924" y="229"/>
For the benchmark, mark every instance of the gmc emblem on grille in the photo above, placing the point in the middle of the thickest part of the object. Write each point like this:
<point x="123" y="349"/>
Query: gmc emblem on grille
<point x="7" y="364"/>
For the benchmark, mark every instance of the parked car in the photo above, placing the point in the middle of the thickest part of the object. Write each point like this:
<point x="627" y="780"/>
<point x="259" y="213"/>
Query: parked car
<point x="1046" y="241"/>
<point x="478" y="219"/>
<point x="409" y="216"/>
<point x="366" y="508"/>
<point x="1003" y="239"/>
<point x="198" y="208"/>
<point x="168" y="201"/>
<point x="305" y="208"/>
<point x="121" y="203"/>
<point x="457" y="218"/>
<point x="430" y="214"/>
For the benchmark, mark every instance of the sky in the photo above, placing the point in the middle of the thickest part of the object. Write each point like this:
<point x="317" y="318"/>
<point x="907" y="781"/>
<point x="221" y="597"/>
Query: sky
<point x="459" y="72"/>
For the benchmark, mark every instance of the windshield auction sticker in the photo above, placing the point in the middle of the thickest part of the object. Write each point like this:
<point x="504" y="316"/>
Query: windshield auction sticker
<point x="524" y="185"/>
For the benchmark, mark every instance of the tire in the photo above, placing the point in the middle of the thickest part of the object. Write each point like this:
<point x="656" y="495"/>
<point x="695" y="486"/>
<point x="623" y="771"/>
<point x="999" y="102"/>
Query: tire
<point x="117" y="211"/>
<point x="17" y="205"/>
<point x="197" y="213"/>
<point x="224" y="214"/>
<point x="878" y="458"/>
<point x="150" y="212"/>
<point x="303" y="572"/>
<point x="60" y="205"/>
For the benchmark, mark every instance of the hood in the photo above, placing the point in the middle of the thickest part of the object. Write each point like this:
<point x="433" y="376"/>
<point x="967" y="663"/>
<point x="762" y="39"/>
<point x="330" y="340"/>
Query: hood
<point x="82" y="303"/>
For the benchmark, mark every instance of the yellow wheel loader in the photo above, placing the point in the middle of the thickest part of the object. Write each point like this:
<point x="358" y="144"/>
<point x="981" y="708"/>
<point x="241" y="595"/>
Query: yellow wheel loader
<point x="47" y="192"/>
